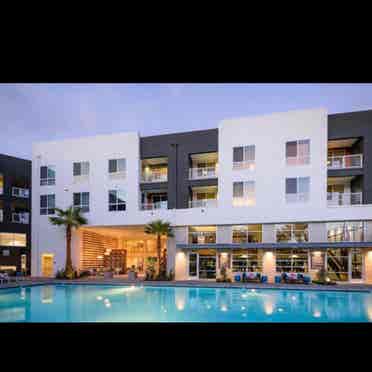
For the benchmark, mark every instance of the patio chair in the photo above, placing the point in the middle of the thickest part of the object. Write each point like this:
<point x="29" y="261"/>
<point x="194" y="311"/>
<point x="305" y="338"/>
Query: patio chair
<point x="4" y="278"/>
<point x="252" y="277"/>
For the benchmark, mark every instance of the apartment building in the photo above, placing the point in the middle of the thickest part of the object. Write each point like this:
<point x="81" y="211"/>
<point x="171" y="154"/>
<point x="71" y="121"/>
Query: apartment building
<point x="280" y="192"/>
<point x="15" y="214"/>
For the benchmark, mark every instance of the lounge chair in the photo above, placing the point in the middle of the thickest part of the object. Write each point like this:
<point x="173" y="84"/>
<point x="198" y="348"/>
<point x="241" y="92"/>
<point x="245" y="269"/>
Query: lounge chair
<point x="295" y="278"/>
<point x="252" y="277"/>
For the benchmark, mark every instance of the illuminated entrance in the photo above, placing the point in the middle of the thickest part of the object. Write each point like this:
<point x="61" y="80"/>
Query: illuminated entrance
<point x="118" y="248"/>
<point x="202" y="264"/>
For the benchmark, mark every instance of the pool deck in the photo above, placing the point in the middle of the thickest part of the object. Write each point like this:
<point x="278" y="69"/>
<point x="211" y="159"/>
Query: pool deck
<point x="190" y="283"/>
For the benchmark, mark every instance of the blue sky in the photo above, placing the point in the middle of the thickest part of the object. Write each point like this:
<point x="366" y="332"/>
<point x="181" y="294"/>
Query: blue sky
<point x="39" y="112"/>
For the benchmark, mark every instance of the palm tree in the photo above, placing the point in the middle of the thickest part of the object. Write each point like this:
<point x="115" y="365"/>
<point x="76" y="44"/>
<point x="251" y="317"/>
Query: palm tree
<point x="70" y="219"/>
<point x="159" y="228"/>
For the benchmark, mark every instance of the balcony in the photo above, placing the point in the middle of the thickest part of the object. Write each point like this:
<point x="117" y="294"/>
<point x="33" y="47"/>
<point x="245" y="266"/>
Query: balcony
<point x="203" y="203"/>
<point x="22" y="217"/>
<point x="345" y="161"/>
<point x="20" y="192"/>
<point x="154" y="206"/>
<point x="203" y="166"/>
<point x="202" y="173"/>
<point x="154" y="170"/>
<point x="336" y="199"/>
<point x="202" y="235"/>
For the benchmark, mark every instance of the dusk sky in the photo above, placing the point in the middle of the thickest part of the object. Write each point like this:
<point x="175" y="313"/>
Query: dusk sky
<point x="41" y="112"/>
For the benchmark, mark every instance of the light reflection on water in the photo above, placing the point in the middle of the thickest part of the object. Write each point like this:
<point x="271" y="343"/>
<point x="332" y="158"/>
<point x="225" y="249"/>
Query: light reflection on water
<point x="93" y="303"/>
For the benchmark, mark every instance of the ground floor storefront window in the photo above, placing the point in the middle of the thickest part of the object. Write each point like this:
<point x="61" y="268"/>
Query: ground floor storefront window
<point x="247" y="260"/>
<point x="292" y="260"/>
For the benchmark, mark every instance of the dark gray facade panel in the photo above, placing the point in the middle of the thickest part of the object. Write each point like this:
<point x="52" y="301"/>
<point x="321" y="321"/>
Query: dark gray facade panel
<point x="17" y="173"/>
<point x="355" y="125"/>
<point x="178" y="148"/>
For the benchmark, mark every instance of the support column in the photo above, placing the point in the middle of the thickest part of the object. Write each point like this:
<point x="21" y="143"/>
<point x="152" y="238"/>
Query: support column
<point x="368" y="266"/>
<point x="181" y="270"/>
<point x="269" y="265"/>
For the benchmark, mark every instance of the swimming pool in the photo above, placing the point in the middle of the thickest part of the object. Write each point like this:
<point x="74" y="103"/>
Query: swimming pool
<point x="104" y="303"/>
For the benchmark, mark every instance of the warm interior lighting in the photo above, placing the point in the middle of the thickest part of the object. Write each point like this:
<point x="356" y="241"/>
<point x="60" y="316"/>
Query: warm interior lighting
<point x="317" y="253"/>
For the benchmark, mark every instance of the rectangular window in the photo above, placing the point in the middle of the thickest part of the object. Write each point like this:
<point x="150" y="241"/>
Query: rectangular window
<point x="292" y="260"/>
<point x="81" y="200"/>
<point x="347" y="231"/>
<point x="244" y="194"/>
<point x="47" y="204"/>
<point x="81" y="168"/>
<point x="297" y="190"/>
<point x="297" y="152"/>
<point x="247" y="234"/>
<point x="244" y="157"/>
<point x="247" y="261"/>
<point x="117" y="200"/>
<point x="13" y="240"/>
<point x="292" y="233"/>
<point x="117" y="166"/>
<point x="1" y="184"/>
<point x="47" y="175"/>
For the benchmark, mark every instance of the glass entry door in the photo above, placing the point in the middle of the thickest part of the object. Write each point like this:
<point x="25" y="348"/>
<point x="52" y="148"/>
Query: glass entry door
<point x="193" y="265"/>
<point x="207" y="266"/>
<point x="356" y="264"/>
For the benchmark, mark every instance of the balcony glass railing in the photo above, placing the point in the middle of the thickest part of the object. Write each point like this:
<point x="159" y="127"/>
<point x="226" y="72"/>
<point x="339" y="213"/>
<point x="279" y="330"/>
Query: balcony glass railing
<point x="247" y="164"/>
<point x="203" y="203"/>
<point x="152" y="206"/>
<point x="154" y="177"/>
<point x="200" y="173"/>
<point x="345" y="161"/>
<point x="202" y="237"/>
<point x="22" y="217"/>
<point x="341" y="198"/>
<point x="20" y="192"/>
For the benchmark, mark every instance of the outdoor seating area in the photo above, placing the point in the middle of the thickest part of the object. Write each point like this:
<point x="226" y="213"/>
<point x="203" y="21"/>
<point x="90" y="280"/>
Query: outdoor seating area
<point x="250" y="277"/>
<point x="5" y="278"/>
<point x="293" y="278"/>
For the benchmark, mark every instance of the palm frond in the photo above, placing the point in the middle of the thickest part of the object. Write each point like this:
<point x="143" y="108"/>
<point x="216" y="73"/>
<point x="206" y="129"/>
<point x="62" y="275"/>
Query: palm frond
<point x="159" y="227"/>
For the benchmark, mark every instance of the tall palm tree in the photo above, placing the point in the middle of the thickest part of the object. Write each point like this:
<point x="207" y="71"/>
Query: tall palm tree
<point x="159" y="228"/>
<point x="70" y="219"/>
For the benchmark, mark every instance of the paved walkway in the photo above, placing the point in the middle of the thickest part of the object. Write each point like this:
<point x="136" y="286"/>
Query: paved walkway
<point x="191" y="283"/>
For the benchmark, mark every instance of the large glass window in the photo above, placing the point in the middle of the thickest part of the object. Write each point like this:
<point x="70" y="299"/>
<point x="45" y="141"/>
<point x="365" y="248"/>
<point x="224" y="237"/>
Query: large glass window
<point x="1" y="184"/>
<point x="202" y="234"/>
<point x="247" y="260"/>
<point x="81" y="200"/>
<point x="297" y="152"/>
<point x="244" y="157"/>
<point x="47" y="204"/>
<point x="297" y="189"/>
<point x="81" y="168"/>
<point x="244" y="194"/>
<point x="347" y="231"/>
<point x="292" y="260"/>
<point x="117" y="166"/>
<point x="293" y="232"/>
<point x="47" y="175"/>
<point x="338" y="264"/>
<point x="117" y="200"/>
<point x="13" y="240"/>
<point x="247" y="234"/>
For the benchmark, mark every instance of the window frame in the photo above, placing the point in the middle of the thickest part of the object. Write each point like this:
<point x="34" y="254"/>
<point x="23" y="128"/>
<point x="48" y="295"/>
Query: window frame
<point x="300" y="197"/>
<point x="252" y="255"/>
<point x="249" y="228"/>
<point x="117" y="171"/>
<point x="298" y="160"/>
<point x="49" y="211"/>
<point x="249" y="197"/>
<point x="117" y="205"/>
<point x="292" y="259"/>
<point x="80" y="164"/>
<point x="346" y="228"/>
<point x="14" y="240"/>
<point x="84" y="207"/>
<point x="48" y="181"/>
<point x="293" y="231"/>
<point x="245" y="163"/>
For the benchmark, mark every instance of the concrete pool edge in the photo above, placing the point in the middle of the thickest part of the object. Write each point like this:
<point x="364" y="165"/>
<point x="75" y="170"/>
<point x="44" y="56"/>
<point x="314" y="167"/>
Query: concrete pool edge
<point x="190" y="284"/>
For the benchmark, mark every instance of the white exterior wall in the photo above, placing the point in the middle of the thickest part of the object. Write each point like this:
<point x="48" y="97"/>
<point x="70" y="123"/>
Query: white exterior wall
<point x="268" y="133"/>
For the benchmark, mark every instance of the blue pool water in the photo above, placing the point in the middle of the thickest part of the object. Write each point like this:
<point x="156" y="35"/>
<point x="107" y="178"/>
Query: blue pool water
<point x="101" y="303"/>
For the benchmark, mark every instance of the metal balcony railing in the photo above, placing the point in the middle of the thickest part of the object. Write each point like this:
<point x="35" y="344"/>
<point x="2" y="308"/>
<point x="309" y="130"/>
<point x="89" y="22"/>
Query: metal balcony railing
<point x="200" y="173"/>
<point x="22" y="217"/>
<point x="247" y="164"/>
<point x="203" y="203"/>
<point x="345" y="161"/>
<point x="20" y="192"/>
<point x="152" y="206"/>
<point x="202" y="237"/>
<point x="154" y="177"/>
<point x="341" y="198"/>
